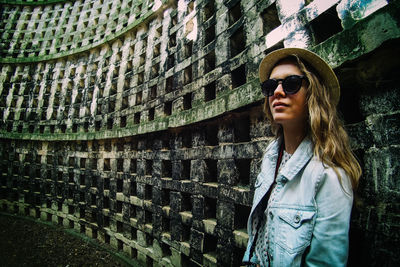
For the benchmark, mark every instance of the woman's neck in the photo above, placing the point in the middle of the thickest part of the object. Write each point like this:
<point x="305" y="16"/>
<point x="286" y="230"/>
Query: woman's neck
<point x="293" y="138"/>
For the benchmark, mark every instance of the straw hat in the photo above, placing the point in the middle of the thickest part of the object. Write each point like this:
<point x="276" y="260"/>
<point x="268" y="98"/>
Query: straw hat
<point x="321" y="66"/>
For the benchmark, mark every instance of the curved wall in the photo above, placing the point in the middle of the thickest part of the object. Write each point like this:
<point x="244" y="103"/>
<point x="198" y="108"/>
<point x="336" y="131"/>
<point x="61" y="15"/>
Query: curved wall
<point x="140" y="124"/>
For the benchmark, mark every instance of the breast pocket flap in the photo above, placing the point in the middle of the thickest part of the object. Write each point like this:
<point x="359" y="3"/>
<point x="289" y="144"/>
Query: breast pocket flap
<point x="295" y="218"/>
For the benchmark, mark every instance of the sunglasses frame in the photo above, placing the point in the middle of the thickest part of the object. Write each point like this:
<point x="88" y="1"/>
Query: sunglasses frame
<point x="269" y="93"/>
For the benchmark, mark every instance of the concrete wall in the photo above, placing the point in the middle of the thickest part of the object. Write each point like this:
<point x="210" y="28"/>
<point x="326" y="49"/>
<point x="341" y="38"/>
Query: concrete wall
<point x="140" y="123"/>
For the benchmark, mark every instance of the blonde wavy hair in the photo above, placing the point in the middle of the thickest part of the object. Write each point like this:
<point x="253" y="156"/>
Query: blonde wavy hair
<point x="331" y="142"/>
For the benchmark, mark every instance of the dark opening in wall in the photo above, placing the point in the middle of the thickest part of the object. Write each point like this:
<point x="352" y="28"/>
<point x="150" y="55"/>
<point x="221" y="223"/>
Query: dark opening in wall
<point x="172" y="40"/>
<point x="185" y="171"/>
<point x="156" y="51"/>
<point x="138" y="98"/>
<point x="82" y="212"/>
<point x="209" y="92"/>
<point x="132" y="212"/>
<point x="86" y="126"/>
<point x="210" y="208"/>
<point x="106" y="221"/>
<point x="170" y="61"/>
<point x="148" y="217"/>
<point x="119" y="230"/>
<point x="125" y="102"/>
<point x="106" y="203"/>
<point x="133" y="166"/>
<point x="241" y="129"/>
<point x="187" y="101"/>
<point x="166" y="168"/>
<point x="142" y="59"/>
<point x="270" y="19"/>
<point x="133" y="188"/>
<point x="186" y="139"/>
<point x="60" y="175"/>
<point x="93" y="199"/>
<point x="188" y="77"/>
<point x="166" y="250"/>
<point x="237" y="42"/>
<point x="165" y="198"/>
<point x="120" y="165"/>
<point x="106" y="238"/>
<point x="153" y="92"/>
<point x="211" y="171"/>
<point x="140" y="79"/>
<point x="82" y="163"/>
<point x="120" y="185"/>
<point x="10" y="126"/>
<point x="212" y="135"/>
<point x="119" y="207"/>
<point x="326" y="25"/>
<point x="110" y="123"/>
<point x="71" y="161"/>
<point x="93" y="163"/>
<point x="209" y="34"/>
<point x="97" y="125"/>
<point x="209" y="10"/>
<point x="210" y="244"/>
<point x="70" y="176"/>
<point x="169" y="84"/>
<point x="155" y="70"/>
<point x="148" y="192"/>
<point x="185" y="235"/>
<point x="209" y="62"/>
<point x="149" y="167"/>
<point x="107" y="165"/>
<point x="166" y="224"/>
<point x="168" y="108"/>
<point x="235" y="13"/>
<point x="106" y="184"/>
<point x="151" y="114"/>
<point x="136" y="118"/>
<point x="123" y="122"/>
<point x="82" y="179"/>
<point x="243" y="167"/>
<point x="187" y="202"/>
<point x="238" y="76"/>
<point x="188" y="49"/>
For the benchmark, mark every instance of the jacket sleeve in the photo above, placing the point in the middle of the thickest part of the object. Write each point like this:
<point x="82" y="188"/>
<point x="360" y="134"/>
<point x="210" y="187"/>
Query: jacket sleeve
<point x="330" y="240"/>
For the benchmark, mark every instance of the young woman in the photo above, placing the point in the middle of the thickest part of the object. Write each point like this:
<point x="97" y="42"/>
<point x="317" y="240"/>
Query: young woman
<point x="304" y="192"/>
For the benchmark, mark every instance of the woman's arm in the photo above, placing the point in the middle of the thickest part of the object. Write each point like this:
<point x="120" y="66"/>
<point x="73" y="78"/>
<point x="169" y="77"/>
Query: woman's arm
<point x="330" y="241"/>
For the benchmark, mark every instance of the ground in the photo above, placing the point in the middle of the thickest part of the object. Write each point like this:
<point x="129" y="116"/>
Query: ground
<point x="27" y="242"/>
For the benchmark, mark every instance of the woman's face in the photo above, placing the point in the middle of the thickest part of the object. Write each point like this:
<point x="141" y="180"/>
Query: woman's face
<point x="288" y="110"/>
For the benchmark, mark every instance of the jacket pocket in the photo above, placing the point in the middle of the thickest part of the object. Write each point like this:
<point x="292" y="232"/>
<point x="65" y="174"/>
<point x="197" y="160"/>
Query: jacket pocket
<point x="294" y="229"/>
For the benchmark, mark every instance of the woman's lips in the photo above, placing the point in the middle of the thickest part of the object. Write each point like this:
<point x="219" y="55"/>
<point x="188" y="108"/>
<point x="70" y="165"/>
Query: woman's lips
<point x="279" y="104"/>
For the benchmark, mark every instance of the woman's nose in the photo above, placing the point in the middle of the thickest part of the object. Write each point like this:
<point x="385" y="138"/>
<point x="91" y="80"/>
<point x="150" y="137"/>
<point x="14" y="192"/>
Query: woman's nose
<point x="279" y="90"/>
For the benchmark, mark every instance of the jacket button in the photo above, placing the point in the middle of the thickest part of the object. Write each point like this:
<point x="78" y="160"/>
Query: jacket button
<point x="297" y="219"/>
<point x="271" y="215"/>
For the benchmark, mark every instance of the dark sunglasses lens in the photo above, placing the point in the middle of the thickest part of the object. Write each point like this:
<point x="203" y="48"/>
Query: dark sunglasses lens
<point x="292" y="84"/>
<point x="268" y="87"/>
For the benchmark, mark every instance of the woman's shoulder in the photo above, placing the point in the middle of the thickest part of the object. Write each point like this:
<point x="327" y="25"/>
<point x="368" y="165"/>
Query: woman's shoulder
<point x="333" y="177"/>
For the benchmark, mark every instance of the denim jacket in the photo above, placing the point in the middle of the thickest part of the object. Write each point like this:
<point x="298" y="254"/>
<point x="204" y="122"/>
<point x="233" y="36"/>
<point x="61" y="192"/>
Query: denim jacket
<point x="308" y="220"/>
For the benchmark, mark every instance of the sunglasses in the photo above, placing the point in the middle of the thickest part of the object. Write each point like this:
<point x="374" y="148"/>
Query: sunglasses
<point x="291" y="85"/>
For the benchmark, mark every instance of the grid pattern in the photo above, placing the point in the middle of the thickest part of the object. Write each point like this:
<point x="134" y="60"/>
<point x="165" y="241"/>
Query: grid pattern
<point x="141" y="194"/>
<point x="51" y="30"/>
<point x="158" y="75"/>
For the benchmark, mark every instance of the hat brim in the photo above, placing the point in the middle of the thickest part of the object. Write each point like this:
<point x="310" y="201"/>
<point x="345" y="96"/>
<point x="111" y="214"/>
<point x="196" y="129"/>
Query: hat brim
<point x="325" y="72"/>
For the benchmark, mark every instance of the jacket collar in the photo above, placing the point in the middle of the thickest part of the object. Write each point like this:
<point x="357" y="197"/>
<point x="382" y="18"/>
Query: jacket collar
<point x="299" y="159"/>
